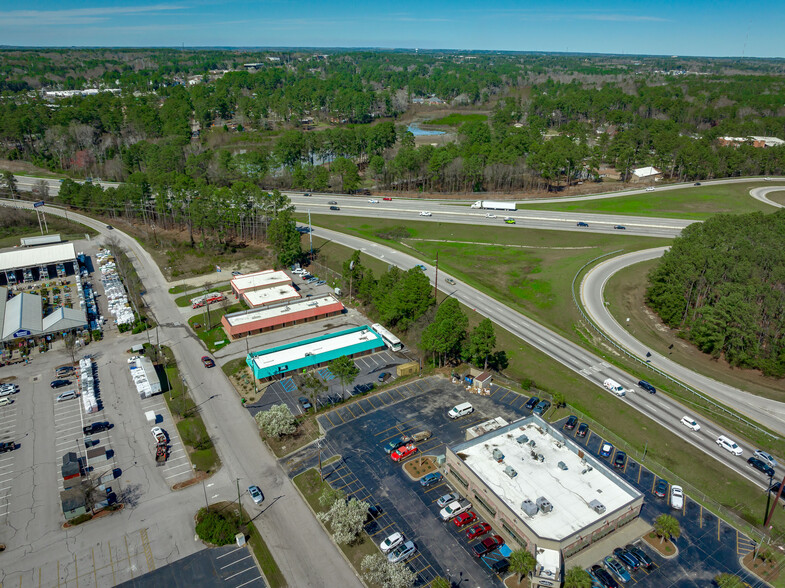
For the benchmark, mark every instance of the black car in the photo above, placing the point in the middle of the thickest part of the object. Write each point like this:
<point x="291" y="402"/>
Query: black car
<point x="396" y="443"/>
<point x="531" y="403"/>
<point x="383" y="376"/>
<point x="761" y="466"/>
<point x="661" y="488"/>
<point x="620" y="460"/>
<point x="626" y="558"/>
<point x="604" y="577"/>
<point x="59" y="383"/>
<point x="96" y="428"/>
<point x="620" y="227"/>
<point x="304" y="402"/>
<point x="500" y="566"/>
<point x="334" y="208"/>
<point x="643" y="559"/>
<point x="7" y="446"/>
<point x="542" y="407"/>
<point x="572" y="421"/>
<point x="110" y="227"/>
<point x="697" y="184"/>
<point x="583" y="429"/>
<point x="648" y="387"/>
<point x="374" y="511"/>
<point x="583" y="224"/>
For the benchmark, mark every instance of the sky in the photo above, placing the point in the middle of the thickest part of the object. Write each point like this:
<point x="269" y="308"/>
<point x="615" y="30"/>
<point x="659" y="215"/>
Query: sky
<point x="657" y="27"/>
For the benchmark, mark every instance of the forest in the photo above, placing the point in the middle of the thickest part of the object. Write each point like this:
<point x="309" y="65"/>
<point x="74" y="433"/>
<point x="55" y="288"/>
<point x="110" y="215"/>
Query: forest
<point x="336" y="121"/>
<point x="722" y="284"/>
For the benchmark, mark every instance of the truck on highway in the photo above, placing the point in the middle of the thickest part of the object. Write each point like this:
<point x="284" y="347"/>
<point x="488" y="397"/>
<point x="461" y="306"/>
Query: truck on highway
<point x="614" y="387"/>
<point x="494" y="205"/>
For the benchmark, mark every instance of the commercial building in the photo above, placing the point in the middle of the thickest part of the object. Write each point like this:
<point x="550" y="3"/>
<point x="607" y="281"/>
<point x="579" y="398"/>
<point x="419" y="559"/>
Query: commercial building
<point x="41" y="240"/>
<point x="311" y="353"/>
<point x="22" y="317"/>
<point x="541" y="491"/>
<point x="258" y="281"/>
<point x="272" y="295"/>
<point x="39" y="263"/>
<point x="643" y="174"/>
<point x="754" y="140"/>
<point x="269" y="318"/>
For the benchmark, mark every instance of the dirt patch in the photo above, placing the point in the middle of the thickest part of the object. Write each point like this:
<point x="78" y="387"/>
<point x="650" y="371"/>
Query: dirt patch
<point x="764" y="566"/>
<point x="23" y="167"/>
<point x="514" y="581"/>
<point x="665" y="548"/>
<point x="198" y="477"/>
<point x="420" y="466"/>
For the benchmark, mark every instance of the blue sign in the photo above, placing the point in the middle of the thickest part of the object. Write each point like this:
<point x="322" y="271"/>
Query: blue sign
<point x="22" y="333"/>
<point x="38" y="204"/>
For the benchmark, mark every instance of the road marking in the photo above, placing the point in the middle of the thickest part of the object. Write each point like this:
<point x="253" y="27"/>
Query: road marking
<point x="95" y="572"/>
<point x="111" y="562"/>
<point x="382" y="529"/>
<point x="700" y="519"/>
<point x="235" y="562"/>
<point x="253" y="567"/>
<point x="147" y="551"/>
<point x="76" y="571"/>
<point x="248" y="582"/>
<point x="640" y="469"/>
<point x="230" y="552"/>
<point x="718" y="528"/>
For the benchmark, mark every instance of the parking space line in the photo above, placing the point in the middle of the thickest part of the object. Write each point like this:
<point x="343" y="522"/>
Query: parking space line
<point x="382" y="529"/>
<point x="700" y="519"/>
<point x="337" y="412"/>
<point x="652" y="484"/>
<point x="111" y="563"/>
<point x="398" y="426"/>
<point x="238" y="573"/>
<point x="236" y="561"/>
<point x="371" y="403"/>
<point x="248" y="582"/>
<point x="640" y="469"/>
<point x="718" y="528"/>
<point x="505" y="396"/>
<point x="327" y="416"/>
<point x="95" y="571"/>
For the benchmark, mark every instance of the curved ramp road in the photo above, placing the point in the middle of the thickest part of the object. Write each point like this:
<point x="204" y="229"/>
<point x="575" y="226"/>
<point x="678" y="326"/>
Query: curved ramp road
<point x="765" y="411"/>
<point x="763" y="193"/>
<point x="301" y="548"/>
<point x="659" y="407"/>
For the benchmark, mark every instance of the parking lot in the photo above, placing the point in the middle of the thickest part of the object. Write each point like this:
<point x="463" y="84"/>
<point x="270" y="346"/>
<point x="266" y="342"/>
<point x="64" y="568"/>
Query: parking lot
<point x="8" y="420"/>
<point x="177" y="467"/>
<point x="707" y="545"/>
<point x="371" y="366"/>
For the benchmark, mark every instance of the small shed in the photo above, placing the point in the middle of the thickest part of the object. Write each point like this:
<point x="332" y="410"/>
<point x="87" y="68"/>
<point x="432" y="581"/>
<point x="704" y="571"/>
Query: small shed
<point x="407" y="369"/>
<point x="483" y="381"/>
<point x="73" y="503"/>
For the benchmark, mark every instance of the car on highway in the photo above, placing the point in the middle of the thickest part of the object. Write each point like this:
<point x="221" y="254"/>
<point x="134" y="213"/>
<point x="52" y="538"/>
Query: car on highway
<point x="583" y="429"/>
<point x="454" y="509"/>
<point x="465" y="518"/>
<point x="334" y="208"/>
<point x="571" y="422"/>
<point x="487" y="545"/>
<point x="729" y="445"/>
<point x="450" y="281"/>
<point x="478" y="530"/>
<point x="542" y="407"/>
<point x="372" y="201"/>
<point x="697" y="184"/>
<point x="677" y="497"/>
<point x="617" y="569"/>
<point x="509" y="220"/>
<point x="603" y="577"/>
<point x="387" y="198"/>
<point x="99" y="427"/>
<point x="619" y="460"/>
<point x="582" y="224"/>
<point x="402" y="552"/>
<point x="109" y="227"/>
<point x="648" y="387"/>
<point x="305" y="404"/>
<point x="396" y="443"/>
<point x="620" y="227"/>
<point x="69" y="395"/>
<point x="59" y="383"/>
<point x="760" y="454"/>
<point x="307" y="194"/>
<point x="207" y="361"/>
<point x="626" y="558"/>
<point x="421" y="267"/>
<point x="447" y="499"/>
<point x="404" y="452"/>
<point x="606" y="449"/>
<point x="690" y="423"/>
<point x="489" y="215"/>
<point x="650" y="189"/>
<point x="661" y="488"/>
<point x="391" y="542"/>
<point x="331" y="202"/>
<point x="6" y="446"/>
<point x="643" y="560"/>
<point x="425" y="213"/>
<point x="761" y="466"/>
<point x="531" y="402"/>
<point x="430" y="479"/>
<point x="256" y="494"/>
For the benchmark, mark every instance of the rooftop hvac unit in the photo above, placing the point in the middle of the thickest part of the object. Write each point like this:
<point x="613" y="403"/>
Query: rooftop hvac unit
<point x="563" y="466"/>
<point x="510" y="471"/>
<point x="498" y="455"/>
<point x="544" y="505"/>
<point x="529" y="507"/>
<point x="597" y="506"/>
<point x="540" y="458"/>
<point x="522" y="439"/>
<point x="532" y="443"/>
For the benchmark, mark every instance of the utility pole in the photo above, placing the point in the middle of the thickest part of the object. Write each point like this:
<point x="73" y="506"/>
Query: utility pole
<point x="239" y="507"/>
<point x="768" y="495"/>
<point x="310" y="233"/>
<point x="773" y="506"/>
<point x="206" y="504"/>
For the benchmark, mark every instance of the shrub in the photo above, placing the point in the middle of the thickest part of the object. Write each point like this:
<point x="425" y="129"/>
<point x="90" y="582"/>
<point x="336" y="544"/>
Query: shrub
<point x="218" y="528"/>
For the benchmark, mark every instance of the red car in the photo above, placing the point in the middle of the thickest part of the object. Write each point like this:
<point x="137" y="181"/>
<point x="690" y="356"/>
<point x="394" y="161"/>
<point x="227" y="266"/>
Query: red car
<point x="464" y="519"/>
<point x="487" y="545"/>
<point x="404" y="452"/>
<point x="386" y="198"/>
<point x="207" y="362"/>
<point x="478" y="531"/>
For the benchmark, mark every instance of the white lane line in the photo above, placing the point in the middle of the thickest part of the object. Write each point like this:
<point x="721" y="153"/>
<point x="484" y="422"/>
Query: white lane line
<point x="233" y="550"/>
<point x="235" y="562"/>
<point x="248" y="582"/>
<point x="238" y="573"/>
<point x="175" y="475"/>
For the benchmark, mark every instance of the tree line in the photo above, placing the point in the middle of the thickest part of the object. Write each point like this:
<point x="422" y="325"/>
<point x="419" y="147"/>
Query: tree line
<point x="722" y="285"/>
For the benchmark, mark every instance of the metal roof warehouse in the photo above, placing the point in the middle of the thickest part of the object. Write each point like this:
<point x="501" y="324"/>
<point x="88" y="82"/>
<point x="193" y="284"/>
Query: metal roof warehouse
<point x="309" y="353"/>
<point x="258" y="280"/>
<point x="247" y="322"/>
<point x="24" y="258"/>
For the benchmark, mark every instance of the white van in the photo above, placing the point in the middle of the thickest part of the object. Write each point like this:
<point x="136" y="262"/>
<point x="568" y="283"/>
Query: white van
<point x="614" y="387"/>
<point x="460" y="410"/>
<point x="69" y="395"/>
<point x="729" y="445"/>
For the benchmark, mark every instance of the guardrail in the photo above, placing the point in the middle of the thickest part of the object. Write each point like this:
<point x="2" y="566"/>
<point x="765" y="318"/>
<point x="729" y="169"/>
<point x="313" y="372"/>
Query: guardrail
<point x="696" y="393"/>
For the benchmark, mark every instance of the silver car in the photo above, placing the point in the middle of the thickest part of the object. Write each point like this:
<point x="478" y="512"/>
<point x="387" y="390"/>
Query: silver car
<point x="402" y="552"/>
<point x="447" y="499"/>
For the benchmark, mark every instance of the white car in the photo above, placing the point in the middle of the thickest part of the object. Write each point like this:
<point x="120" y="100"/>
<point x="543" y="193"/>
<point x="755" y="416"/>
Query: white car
<point x="489" y="215"/>
<point x="729" y="445"/>
<point x="677" y="497"/>
<point x="690" y="423"/>
<point x="391" y="542"/>
<point x="157" y="432"/>
<point x="650" y="189"/>
<point x="447" y="499"/>
<point x="372" y="201"/>
<point x="425" y="213"/>
<point x="453" y="509"/>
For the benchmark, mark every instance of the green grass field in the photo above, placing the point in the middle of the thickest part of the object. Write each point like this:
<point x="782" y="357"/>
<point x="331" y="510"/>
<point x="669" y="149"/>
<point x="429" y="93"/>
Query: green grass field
<point x="456" y="119"/>
<point x="697" y="203"/>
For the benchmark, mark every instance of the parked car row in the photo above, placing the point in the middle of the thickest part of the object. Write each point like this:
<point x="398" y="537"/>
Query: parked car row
<point x="307" y="277"/>
<point x="620" y="566"/>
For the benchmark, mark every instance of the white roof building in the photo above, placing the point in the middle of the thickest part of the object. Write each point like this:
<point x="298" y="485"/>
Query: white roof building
<point x="259" y="280"/>
<point x="266" y="296"/>
<point x="646" y="172"/>
<point x="24" y="258"/>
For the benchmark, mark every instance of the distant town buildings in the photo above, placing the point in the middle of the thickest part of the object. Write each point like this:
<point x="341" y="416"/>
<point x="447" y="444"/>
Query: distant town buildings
<point x="754" y="140"/>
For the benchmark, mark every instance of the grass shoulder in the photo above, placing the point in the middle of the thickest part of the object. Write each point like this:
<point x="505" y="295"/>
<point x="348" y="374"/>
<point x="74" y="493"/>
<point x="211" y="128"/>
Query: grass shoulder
<point x="457" y="119"/>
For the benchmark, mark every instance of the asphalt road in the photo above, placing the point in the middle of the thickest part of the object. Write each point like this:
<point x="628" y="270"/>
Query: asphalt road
<point x="284" y="519"/>
<point x="763" y="193"/>
<point x="763" y="410"/>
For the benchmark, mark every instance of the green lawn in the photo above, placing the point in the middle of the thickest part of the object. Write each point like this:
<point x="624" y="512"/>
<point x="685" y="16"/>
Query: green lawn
<point x="19" y="223"/>
<point x="214" y="337"/>
<point x="530" y="271"/>
<point x="194" y="291"/>
<point x="455" y="119"/>
<point x="697" y="203"/>
<point x="271" y="571"/>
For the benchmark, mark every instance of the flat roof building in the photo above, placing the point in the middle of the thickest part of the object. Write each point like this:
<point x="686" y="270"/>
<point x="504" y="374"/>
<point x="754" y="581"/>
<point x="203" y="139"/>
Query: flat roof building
<point x="268" y="318"/>
<point x="542" y="491"/>
<point x="22" y="316"/>
<point x="259" y="280"/>
<point x="271" y="295"/>
<point x="310" y="353"/>
<point x="61" y="257"/>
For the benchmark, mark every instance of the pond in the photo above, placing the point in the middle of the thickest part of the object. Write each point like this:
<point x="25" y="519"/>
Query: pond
<point x="415" y="130"/>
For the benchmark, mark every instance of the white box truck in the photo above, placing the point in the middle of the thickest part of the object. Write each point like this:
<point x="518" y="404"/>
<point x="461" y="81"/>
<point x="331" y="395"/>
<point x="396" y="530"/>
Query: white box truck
<point x="614" y="387"/>
<point x="494" y="205"/>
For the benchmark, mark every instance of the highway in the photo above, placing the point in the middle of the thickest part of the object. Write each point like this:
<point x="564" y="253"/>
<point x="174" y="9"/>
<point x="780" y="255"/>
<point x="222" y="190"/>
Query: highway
<point x="765" y="411"/>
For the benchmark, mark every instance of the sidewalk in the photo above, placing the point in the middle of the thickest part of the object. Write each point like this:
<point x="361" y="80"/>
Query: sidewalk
<point x="596" y="552"/>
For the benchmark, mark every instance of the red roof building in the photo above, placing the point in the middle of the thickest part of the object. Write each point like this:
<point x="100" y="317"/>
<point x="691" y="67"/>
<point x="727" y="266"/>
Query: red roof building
<point x="260" y="320"/>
